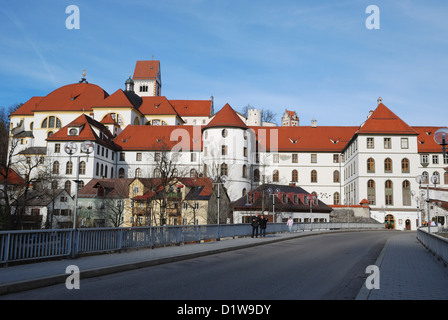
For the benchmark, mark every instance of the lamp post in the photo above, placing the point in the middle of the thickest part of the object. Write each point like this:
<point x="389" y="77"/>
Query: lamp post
<point x="71" y="148"/>
<point x="441" y="137"/>
<point x="273" y="194"/>
<point x="219" y="180"/>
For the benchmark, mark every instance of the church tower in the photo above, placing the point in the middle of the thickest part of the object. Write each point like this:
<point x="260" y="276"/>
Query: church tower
<point x="147" y="78"/>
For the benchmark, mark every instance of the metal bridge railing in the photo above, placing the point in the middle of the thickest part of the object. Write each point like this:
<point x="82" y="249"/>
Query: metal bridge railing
<point x="28" y="245"/>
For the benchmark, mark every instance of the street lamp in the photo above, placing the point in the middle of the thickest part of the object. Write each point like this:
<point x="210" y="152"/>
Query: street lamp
<point x="273" y="194"/>
<point x="70" y="148"/>
<point x="441" y="137"/>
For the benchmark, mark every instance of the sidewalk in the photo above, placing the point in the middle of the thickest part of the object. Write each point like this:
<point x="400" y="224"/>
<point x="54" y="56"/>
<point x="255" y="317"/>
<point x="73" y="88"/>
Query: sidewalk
<point x="407" y="270"/>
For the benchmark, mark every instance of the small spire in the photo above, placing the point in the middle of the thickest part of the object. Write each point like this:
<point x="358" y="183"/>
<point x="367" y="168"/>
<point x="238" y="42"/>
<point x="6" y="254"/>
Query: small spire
<point x="380" y="100"/>
<point x="83" y="79"/>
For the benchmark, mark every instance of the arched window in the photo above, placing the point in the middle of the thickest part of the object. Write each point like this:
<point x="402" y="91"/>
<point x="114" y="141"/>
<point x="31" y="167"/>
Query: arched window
<point x="193" y="173"/>
<point x="157" y="173"/>
<point x="371" y="192"/>
<point x="54" y="184"/>
<point x="389" y="193"/>
<point x="69" y="167"/>
<point x="244" y="192"/>
<point x="82" y="167"/>
<point x="256" y="175"/>
<point x="55" y="167"/>
<point x="80" y="185"/>
<point x="51" y="122"/>
<point x="336" y="198"/>
<point x="336" y="176"/>
<point x="405" y="168"/>
<point x="370" y="165"/>
<point x="294" y="176"/>
<point x="68" y="186"/>
<point x="244" y="171"/>
<point x="121" y="173"/>
<point x="313" y="176"/>
<point x="436" y="173"/>
<point x="425" y="177"/>
<point x="406" y="193"/>
<point x="275" y="176"/>
<point x="138" y="173"/>
<point x="388" y="165"/>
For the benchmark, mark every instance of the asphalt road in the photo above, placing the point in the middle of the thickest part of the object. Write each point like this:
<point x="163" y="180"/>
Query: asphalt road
<point x="328" y="266"/>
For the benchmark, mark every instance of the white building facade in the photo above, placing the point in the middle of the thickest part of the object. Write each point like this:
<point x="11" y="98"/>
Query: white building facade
<point x="131" y="129"/>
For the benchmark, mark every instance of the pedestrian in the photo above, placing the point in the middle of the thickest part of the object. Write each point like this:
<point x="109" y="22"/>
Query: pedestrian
<point x="255" y="224"/>
<point x="263" y="225"/>
<point x="289" y="223"/>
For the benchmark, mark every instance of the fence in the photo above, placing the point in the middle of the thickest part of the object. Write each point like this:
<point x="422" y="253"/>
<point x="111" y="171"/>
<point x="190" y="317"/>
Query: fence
<point x="27" y="245"/>
<point x="436" y="244"/>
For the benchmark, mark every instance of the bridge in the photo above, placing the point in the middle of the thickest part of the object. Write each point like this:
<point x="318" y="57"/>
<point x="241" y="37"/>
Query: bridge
<point x="326" y="264"/>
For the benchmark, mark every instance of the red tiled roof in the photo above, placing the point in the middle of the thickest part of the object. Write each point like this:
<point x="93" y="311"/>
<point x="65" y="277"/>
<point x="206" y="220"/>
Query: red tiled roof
<point x="108" y="119"/>
<point x="425" y="140"/>
<point x="86" y="133"/>
<point x="192" y="108"/>
<point x="146" y="69"/>
<point x="226" y="117"/>
<point x="135" y="137"/>
<point x="117" y="99"/>
<point x="73" y="97"/>
<point x="12" y="178"/>
<point x="304" y="138"/>
<point x="28" y="107"/>
<point x="157" y="105"/>
<point x="383" y="120"/>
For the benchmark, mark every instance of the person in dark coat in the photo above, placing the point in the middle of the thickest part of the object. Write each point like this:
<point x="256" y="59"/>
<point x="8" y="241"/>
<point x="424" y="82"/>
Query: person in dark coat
<point x="255" y="222"/>
<point x="263" y="225"/>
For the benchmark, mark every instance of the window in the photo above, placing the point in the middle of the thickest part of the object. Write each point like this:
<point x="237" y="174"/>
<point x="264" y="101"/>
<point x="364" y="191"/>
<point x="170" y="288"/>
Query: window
<point x="51" y="122"/>
<point x="370" y="165"/>
<point x="223" y="150"/>
<point x="313" y="158"/>
<point x="54" y="184"/>
<point x="336" y="198"/>
<point x="245" y="151"/>
<point x="138" y="156"/>
<point x="121" y="173"/>
<point x="82" y="167"/>
<point x="387" y="143"/>
<point x="445" y="177"/>
<point x="435" y="159"/>
<point x="406" y="193"/>
<point x="193" y="157"/>
<point x="157" y="157"/>
<point x="57" y="148"/>
<point x="424" y="159"/>
<point x="67" y="186"/>
<point x="69" y="167"/>
<point x="138" y="173"/>
<point x="244" y="171"/>
<point x="294" y="176"/>
<point x="275" y="158"/>
<point x="224" y="171"/>
<point x="371" y="191"/>
<point x="370" y="143"/>
<point x="156" y="173"/>
<point x="313" y="176"/>
<point x="295" y="158"/>
<point x="256" y="175"/>
<point x="275" y="176"/>
<point x="80" y="185"/>
<point x="388" y="165"/>
<point x="336" y="176"/>
<point x="335" y="158"/>
<point x="436" y="173"/>
<point x="193" y="173"/>
<point x="405" y="168"/>
<point x="389" y="194"/>
<point x="55" y="167"/>
<point x="404" y="143"/>
<point x="224" y="133"/>
<point x="425" y="177"/>
<point x="122" y="156"/>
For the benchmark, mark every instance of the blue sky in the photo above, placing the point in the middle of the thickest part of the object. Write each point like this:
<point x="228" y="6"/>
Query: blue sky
<point x="314" y="57"/>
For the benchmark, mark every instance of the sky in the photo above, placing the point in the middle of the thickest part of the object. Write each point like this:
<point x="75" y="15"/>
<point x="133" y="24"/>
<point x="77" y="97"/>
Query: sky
<point x="315" y="57"/>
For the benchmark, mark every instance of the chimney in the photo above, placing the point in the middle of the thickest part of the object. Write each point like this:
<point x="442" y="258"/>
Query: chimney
<point x="314" y="123"/>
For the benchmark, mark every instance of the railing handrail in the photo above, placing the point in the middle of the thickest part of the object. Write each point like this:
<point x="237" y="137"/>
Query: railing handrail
<point x="23" y="245"/>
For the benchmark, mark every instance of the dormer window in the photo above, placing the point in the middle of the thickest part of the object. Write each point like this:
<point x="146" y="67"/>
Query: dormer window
<point x="73" y="132"/>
